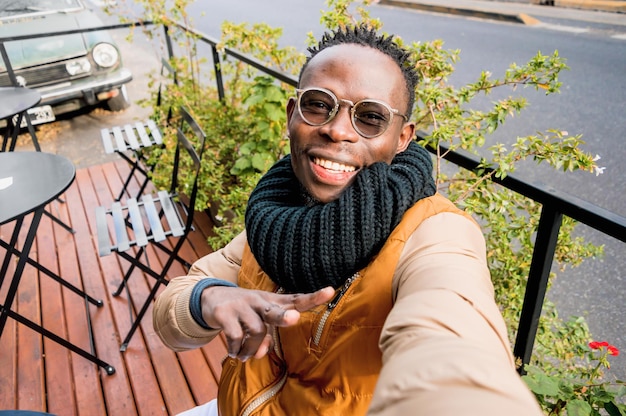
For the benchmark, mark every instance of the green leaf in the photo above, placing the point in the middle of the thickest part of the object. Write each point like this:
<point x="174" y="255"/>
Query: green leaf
<point x="242" y="164"/>
<point x="260" y="161"/>
<point x="540" y="383"/>
<point x="578" y="407"/>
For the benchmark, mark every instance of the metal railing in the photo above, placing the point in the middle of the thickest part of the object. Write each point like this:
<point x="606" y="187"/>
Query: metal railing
<point x="555" y="204"/>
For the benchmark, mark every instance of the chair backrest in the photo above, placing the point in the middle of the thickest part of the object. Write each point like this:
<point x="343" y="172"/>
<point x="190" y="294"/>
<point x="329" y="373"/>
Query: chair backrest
<point x="190" y="139"/>
<point x="167" y="71"/>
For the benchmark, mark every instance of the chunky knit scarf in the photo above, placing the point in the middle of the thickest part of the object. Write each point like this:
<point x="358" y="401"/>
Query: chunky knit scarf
<point x="304" y="248"/>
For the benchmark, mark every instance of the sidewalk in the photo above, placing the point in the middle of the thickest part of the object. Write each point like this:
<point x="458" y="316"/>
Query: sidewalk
<point x="594" y="11"/>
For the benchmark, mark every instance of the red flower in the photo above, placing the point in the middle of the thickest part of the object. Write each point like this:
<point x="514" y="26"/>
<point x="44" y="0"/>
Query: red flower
<point x="611" y="349"/>
<point x="595" y="345"/>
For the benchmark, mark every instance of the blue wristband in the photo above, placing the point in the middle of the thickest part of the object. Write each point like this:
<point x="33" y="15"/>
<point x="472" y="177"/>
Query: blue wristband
<point x="195" y="300"/>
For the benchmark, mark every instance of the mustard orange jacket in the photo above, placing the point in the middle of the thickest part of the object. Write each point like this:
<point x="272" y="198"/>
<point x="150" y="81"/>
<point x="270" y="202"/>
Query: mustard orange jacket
<point x="416" y="332"/>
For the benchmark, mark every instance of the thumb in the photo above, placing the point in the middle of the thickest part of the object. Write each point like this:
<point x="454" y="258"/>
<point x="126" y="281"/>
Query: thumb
<point x="304" y="302"/>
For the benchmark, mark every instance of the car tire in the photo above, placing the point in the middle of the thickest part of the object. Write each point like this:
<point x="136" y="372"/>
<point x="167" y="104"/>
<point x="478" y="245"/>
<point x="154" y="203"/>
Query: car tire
<point x="120" y="102"/>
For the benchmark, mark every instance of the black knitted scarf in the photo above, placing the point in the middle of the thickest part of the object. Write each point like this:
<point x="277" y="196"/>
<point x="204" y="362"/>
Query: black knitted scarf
<point x="304" y="247"/>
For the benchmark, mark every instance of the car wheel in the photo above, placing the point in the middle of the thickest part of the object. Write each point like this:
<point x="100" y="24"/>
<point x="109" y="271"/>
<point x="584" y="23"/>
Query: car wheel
<point x="120" y="102"/>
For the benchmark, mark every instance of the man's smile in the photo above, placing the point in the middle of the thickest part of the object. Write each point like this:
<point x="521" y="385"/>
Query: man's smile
<point x="333" y="166"/>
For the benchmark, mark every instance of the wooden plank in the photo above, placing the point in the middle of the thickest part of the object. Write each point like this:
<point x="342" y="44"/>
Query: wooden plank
<point x="8" y="344"/>
<point x="30" y="393"/>
<point x="169" y="374"/>
<point x="199" y="375"/>
<point x="215" y="353"/>
<point x="116" y="389"/>
<point x="61" y="400"/>
<point x="87" y="376"/>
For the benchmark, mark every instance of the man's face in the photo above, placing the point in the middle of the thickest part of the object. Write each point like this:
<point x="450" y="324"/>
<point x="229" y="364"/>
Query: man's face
<point x="327" y="158"/>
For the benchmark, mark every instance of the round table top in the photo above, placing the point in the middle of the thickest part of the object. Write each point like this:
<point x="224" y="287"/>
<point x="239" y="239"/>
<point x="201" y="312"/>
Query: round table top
<point x="14" y="100"/>
<point x="29" y="180"/>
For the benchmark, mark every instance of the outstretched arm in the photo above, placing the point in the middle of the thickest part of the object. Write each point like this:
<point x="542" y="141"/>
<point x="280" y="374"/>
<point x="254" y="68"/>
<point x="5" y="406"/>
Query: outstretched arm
<point x="445" y="345"/>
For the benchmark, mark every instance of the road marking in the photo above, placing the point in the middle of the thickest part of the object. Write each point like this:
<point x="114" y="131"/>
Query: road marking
<point x="560" y="28"/>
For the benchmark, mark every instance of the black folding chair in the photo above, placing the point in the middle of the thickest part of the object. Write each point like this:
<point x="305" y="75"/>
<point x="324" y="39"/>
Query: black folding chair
<point x="151" y="219"/>
<point x="131" y="141"/>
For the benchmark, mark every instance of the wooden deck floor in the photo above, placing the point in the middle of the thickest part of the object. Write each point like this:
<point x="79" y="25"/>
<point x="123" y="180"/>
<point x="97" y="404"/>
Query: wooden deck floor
<point x="39" y="374"/>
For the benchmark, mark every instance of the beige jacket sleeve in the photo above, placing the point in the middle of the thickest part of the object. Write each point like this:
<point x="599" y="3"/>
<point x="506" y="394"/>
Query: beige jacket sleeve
<point x="445" y="346"/>
<point x="172" y="320"/>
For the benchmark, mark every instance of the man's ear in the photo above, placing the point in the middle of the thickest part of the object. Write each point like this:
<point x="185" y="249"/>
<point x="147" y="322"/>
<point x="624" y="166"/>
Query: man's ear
<point x="406" y="135"/>
<point x="291" y="106"/>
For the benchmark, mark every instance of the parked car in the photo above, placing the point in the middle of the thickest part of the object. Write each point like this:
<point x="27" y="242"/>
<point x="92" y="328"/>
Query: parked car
<point x="70" y="71"/>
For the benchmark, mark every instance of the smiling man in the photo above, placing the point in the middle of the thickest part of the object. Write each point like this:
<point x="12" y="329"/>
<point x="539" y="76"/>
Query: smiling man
<point x="356" y="288"/>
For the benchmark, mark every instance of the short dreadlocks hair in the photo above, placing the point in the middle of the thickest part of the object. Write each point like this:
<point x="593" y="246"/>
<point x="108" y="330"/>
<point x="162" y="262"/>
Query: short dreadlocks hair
<point x="367" y="36"/>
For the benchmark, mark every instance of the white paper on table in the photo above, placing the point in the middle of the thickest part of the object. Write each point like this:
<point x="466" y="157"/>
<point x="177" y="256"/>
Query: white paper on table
<point x="6" y="182"/>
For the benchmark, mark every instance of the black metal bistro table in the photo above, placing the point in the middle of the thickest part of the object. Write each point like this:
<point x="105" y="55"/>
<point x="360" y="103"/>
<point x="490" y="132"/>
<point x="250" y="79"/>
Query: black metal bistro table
<point x="14" y="105"/>
<point x="28" y="182"/>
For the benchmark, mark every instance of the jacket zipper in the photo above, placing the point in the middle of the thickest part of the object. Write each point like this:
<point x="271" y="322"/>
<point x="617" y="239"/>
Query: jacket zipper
<point x="331" y="306"/>
<point x="265" y="396"/>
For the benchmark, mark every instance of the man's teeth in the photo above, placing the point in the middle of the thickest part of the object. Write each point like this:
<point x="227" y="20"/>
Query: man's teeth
<point x="338" y="167"/>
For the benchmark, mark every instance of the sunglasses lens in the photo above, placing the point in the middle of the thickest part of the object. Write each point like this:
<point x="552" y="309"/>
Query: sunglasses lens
<point x="316" y="106"/>
<point x="371" y="118"/>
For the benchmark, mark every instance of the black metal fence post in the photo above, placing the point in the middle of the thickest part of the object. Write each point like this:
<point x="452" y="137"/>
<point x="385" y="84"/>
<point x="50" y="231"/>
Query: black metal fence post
<point x="543" y="254"/>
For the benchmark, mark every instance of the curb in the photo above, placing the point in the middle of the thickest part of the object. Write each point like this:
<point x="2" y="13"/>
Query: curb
<point x="505" y="17"/>
<point x="599" y="5"/>
<point x="614" y="6"/>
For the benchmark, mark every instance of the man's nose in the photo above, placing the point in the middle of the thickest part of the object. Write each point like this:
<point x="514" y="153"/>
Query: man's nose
<point x="340" y="128"/>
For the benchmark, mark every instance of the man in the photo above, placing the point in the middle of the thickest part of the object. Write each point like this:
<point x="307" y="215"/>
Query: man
<point x="356" y="288"/>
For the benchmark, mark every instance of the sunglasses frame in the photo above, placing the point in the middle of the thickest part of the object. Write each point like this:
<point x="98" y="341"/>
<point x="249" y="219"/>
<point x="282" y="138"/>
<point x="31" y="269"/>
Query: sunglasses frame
<point x="352" y="105"/>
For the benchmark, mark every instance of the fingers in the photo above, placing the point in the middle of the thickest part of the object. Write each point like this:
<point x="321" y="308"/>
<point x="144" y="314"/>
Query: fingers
<point x="285" y="310"/>
<point x="311" y="300"/>
<point x="245" y="316"/>
<point x="265" y="346"/>
<point x="244" y="336"/>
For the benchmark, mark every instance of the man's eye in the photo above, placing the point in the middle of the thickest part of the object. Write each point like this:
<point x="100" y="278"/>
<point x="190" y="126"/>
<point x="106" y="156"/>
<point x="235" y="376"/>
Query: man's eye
<point x="372" y="117"/>
<point x="317" y="106"/>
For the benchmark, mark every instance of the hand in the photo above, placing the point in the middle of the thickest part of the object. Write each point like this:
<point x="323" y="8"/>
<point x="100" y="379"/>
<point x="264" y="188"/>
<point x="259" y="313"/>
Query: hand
<point x="246" y="316"/>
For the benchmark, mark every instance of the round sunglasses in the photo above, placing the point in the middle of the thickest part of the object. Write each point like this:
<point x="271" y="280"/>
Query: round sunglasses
<point x="370" y="118"/>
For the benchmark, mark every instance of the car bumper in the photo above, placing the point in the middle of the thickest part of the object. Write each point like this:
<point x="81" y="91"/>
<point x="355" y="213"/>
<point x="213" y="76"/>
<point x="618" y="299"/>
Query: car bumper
<point x="86" y="89"/>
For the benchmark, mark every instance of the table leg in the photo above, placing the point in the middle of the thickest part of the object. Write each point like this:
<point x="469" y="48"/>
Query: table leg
<point x="12" y="131"/>
<point x="5" y="308"/>
<point x="31" y="130"/>
<point x="11" y="249"/>
<point x="19" y="269"/>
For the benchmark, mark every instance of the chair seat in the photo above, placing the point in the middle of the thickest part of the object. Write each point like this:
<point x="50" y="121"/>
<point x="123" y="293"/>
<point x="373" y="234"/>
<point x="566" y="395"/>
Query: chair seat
<point x="134" y="138"/>
<point x="145" y="222"/>
<point x="131" y="137"/>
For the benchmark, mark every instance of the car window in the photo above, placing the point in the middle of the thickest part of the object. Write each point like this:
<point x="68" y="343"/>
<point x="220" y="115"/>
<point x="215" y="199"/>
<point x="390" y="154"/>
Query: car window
<point x="12" y="8"/>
